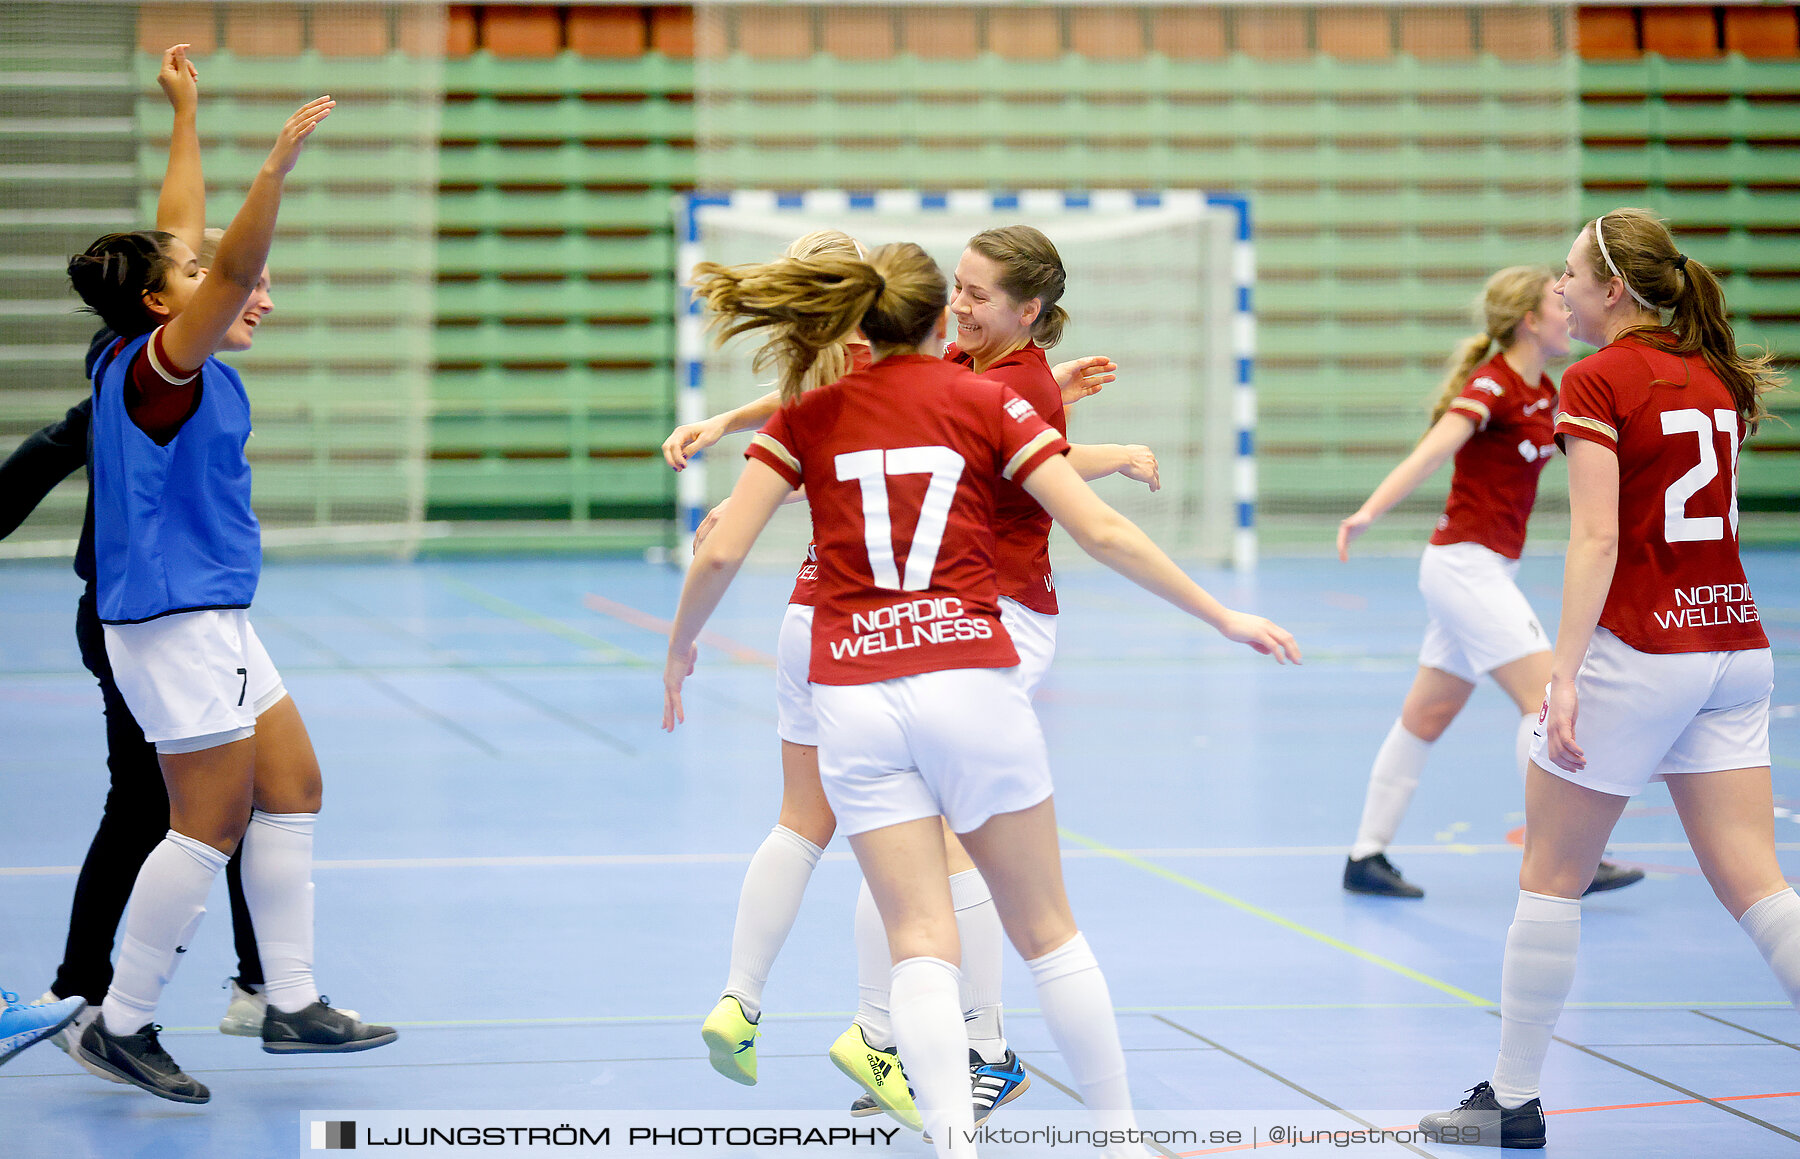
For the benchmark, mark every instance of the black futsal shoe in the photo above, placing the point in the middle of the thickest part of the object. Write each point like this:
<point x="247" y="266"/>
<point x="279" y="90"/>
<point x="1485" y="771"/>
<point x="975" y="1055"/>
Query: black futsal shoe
<point x="140" y="1060"/>
<point x="319" y="1029"/>
<point x="1375" y="874"/>
<point x="1480" y="1121"/>
<point x="1611" y="876"/>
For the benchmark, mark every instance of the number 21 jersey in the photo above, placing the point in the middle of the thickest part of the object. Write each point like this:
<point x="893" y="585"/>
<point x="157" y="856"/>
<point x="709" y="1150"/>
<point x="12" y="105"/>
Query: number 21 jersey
<point x="1678" y="585"/>
<point x="901" y="463"/>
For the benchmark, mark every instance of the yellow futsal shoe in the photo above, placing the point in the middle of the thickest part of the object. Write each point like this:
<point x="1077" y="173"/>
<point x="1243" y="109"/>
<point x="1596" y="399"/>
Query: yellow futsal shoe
<point x="731" y="1041"/>
<point x="877" y="1072"/>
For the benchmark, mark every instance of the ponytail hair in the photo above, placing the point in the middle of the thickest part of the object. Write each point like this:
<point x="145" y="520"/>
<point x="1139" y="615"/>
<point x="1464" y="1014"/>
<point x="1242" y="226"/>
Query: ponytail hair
<point x="1508" y="296"/>
<point x="833" y="362"/>
<point x="1030" y="268"/>
<point x="811" y="305"/>
<point x="113" y="275"/>
<point x="1660" y="277"/>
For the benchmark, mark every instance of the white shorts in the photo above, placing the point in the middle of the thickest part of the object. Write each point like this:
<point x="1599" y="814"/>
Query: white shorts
<point x="1642" y="715"/>
<point x="1034" y="637"/>
<point x="1479" y="618"/>
<point x="962" y="743"/>
<point x="794" y="718"/>
<point x="194" y="680"/>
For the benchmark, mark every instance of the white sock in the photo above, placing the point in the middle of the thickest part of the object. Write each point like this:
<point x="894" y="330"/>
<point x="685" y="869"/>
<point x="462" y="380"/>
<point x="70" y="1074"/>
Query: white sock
<point x="767" y="906"/>
<point x="934" y="1048"/>
<point x="1392" y="780"/>
<point x="1774" y="925"/>
<point x="874" y="973"/>
<point x="1072" y="994"/>
<point x="1534" y="982"/>
<point x="167" y="903"/>
<point x="983" y="951"/>
<point x="278" y="860"/>
<point x="1522" y="744"/>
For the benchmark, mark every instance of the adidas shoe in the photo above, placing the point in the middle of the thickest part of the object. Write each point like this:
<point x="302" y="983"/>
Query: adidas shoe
<point x="1375" y="874"/>
<point x="879" y="1073"/>
<point x="140" y="1060"/>
<point x="730" y="1039"/>
<point x="996" y="1083"/>
<point x="1480" y="1121"/>
<point x="321" y="1030"/>
<point x="22" y="1024"/>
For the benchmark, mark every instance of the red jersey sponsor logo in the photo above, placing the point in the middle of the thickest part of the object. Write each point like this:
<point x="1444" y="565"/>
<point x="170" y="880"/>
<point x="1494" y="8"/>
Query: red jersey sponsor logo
<point x="910" y="624"/>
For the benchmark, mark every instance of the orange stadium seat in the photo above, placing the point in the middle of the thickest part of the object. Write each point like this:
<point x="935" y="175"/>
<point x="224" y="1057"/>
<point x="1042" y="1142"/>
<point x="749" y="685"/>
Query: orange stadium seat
<point x="1684" y="31"/>
<point x="1188" y="33"/>
<point x="610" y="30"/>
<point x="1608" y="33"/>
<point x="1271" y="33"/>
<point x="344" y="31"/>
<point x="858" y="33"/>
<point x="1025" y="33"/>
<point x="160" y="25"/>
<point x="1765" y="33"/>
<point x="1107" y="33"/>
<point x="1356" y="33"/>
<point x="264" y="29"/>
<point x="520" y="30"/>
<point x="672" y="29"/>
<point x="1437" y="33"/>
<point x="942" y="33"/>
<point x="1519" y="33"/>
<point x="775" y="33"/>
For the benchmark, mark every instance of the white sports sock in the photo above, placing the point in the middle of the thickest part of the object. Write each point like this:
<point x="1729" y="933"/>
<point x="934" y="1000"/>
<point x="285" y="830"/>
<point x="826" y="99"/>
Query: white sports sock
<point x="983" y="951"/>
<point x="1073" y="996"/>
<point x="1392" y="780"/>
<point x="767" y="906"/>
<point x="1774" y="925"/>
<point x="1534" y="983"/>
<point x="278" y="860"/>
<point x="934" y="1048"/>
<point x="167" y="903"/>
<point x="1522" y="744"/>
<point x="874" y="973"/>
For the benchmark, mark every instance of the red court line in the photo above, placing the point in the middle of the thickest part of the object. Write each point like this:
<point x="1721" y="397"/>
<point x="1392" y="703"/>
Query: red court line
<point x="1569" y="1111"/>
<point x="637" y="618"/>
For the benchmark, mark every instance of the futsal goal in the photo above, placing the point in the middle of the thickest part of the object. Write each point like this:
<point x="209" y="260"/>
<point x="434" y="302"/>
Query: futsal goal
<point x="1158" y="281"/>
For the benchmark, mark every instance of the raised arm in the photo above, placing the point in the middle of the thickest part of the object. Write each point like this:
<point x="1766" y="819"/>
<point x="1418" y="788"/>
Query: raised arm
<point x="1118" y="543"/>
<point x="195" y="333"/>
<point x="46" y="457"/>
<point x="1587" y="577"/>
<point x="1132" y="460"/>
<point x="181" y="206"/>
<point x="758" y="493"/>
<point x="1080" y="377"/>
<point x="690" y="439"/>
<point x="1434" y="450"/>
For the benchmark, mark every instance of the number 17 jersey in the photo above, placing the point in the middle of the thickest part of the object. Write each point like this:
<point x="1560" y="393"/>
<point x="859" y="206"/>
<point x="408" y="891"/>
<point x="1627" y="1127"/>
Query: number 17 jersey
<point x="1678" y="585"/>
<point x="901" y="463"/>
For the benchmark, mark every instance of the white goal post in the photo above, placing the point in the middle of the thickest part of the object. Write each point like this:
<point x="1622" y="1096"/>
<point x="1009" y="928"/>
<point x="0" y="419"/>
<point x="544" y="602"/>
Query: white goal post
<point x="1158" y="281"/>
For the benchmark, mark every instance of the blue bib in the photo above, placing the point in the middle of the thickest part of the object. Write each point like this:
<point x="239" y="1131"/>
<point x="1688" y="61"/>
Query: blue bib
<point x="173" y="528"/>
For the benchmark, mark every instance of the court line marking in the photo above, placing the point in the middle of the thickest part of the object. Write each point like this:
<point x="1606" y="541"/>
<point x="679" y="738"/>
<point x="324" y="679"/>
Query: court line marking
<point x="638" y="618"/>
<point x="1674" y="1086"/>
<point x="449" y="663"/>
<point x="505" y="607"/>
<point x="344" y="664"/>
<point x="1285" y="923"/>
<point x="1284" y="1081"/>
<point x="1746" y="1029"/>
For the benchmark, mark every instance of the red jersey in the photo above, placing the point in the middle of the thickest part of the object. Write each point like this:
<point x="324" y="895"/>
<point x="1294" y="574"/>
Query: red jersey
<point x="806" y="582"/>
<point x="901" y="463"/>
<point x="1021" y="527"/>
<point x="1495" y="480"/>
<point x="1678" y="585"/>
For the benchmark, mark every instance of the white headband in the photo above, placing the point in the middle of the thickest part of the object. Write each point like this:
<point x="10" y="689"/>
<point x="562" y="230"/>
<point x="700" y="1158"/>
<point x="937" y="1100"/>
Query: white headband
<point x="1600" y="236"/>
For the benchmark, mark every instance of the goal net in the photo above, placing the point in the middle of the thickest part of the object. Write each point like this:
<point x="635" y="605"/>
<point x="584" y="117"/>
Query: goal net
<point x="1159" y="282"/>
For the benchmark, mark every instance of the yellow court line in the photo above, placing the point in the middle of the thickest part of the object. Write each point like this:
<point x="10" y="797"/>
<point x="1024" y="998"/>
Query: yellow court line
<point x="524" y="615"/>
<point x="1271" y="916"/>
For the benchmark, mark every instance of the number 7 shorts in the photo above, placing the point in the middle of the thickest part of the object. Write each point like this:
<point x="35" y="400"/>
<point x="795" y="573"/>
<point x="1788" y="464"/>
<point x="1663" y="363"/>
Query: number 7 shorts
<point x="963" y="743"/>
<point x="193" y="680"/>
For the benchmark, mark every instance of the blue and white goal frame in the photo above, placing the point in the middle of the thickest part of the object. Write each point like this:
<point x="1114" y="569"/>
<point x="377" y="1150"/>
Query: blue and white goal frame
<point x="845" y="206"/>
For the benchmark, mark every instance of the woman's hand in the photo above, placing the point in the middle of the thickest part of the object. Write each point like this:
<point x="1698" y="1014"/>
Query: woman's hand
<point x="689" y="439"/>
<point x="1142" y="466"/>
<point x="1349" y="529"/>
<point x="1560" y="711"/>
<point x="678" y="668"/>
<point x="294" y="134"/>
<point x="178" y="79"/>
<point x="1266" y="636"/>
<point x="707" y="524"/>
<point x="1081" y="377"/>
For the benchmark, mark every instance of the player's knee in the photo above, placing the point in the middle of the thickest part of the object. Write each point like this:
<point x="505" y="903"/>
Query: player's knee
<point x="1427" y="719"/>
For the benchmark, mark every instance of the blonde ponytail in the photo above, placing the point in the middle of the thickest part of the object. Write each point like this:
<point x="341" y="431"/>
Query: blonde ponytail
<point x="1508" y="296"/>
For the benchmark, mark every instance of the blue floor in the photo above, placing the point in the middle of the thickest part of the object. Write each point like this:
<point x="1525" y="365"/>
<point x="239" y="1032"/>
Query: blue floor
<point x="518" y="869"/>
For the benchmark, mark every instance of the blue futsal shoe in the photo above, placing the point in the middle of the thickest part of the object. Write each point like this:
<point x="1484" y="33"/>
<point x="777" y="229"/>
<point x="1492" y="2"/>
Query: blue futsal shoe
<point x="23" y="1024"/>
